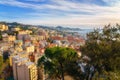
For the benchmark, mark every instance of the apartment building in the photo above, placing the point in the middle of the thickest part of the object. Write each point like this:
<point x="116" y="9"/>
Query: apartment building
<point x="11" y="38"/>
<point x="3" y="27"/>
<point x="30" y="48"/>
<point x="30" y="71"/>
<point x="15" y="29"/>
<point x="23" y="69"/>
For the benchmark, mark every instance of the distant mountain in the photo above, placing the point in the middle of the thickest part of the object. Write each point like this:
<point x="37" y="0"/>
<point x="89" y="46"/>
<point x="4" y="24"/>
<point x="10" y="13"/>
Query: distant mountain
<point x="14" y="24"/>
<point x="58" y="28"/>
<point x="67" y="28"/>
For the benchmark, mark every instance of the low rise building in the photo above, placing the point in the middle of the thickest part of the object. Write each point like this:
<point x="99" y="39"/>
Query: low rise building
<point x="18" y="42"/>
<point x="11" y="38"/>
<point x="3" y="27"/>
<point x="22" y="32"/>
<point x="30" y="48"/>
<point x="16" y="29"/>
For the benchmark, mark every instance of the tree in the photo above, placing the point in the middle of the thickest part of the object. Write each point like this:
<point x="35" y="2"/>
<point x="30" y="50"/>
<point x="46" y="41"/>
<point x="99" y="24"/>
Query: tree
<point x="5" y="55"/>
<point x="1" y="62"/>
<point x="103" y="47"/>
<point x="56" y="59"/>
<point x="0" y="35"/>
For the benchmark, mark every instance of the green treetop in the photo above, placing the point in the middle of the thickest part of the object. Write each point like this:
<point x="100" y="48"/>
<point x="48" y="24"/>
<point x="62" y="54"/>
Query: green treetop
<point x="55" y="60"/>
<point x="103" y="47"/>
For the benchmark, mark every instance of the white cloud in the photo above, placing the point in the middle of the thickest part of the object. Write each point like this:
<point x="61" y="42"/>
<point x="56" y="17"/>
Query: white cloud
<point x="112" y="2"/>
<point x="94" y="14"/>
<point x="35" y="0"/>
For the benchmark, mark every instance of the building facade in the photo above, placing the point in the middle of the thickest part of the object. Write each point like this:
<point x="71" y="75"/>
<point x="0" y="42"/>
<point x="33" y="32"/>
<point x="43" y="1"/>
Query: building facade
<point x="23" y="69"/>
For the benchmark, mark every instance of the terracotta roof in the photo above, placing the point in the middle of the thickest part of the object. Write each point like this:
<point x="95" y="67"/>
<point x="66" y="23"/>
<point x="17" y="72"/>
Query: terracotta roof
<point x="57" y="38"/>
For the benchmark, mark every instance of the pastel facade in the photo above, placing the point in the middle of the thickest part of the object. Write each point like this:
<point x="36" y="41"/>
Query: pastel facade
<point x="22" y="32"/>
<point x="3" y="27"/>
<point x="30" y="49"/>
<point x="23" y="69"/>
<point x="11" y="38"/>
<point x="16" y="29"/>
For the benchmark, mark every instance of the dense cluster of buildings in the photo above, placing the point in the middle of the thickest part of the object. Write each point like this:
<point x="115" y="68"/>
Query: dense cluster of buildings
<point x="25" y="48"/>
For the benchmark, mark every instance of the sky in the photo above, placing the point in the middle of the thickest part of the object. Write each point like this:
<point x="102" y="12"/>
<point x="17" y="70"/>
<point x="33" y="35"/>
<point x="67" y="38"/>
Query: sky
<point x="80" y="13"/>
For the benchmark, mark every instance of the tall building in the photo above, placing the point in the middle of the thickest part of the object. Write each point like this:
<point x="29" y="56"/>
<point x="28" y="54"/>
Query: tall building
<point x="41" y="74"/>
<point x="19" y="69"/>
<point x="30" y="71"/>
<point x="23" y="69"/>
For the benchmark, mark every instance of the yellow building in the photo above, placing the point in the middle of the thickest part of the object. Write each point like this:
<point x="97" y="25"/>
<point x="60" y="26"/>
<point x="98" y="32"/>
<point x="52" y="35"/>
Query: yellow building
<point x="30" y="49"/>
<point x="16" y="29"/>
<point x="18" y="45"/>
<point x="11" y="38"/>
<point x="21" y="32"/>
<point x="28" y="31"/>
<point x="3" y="27"/>
<point x="24" y="69"/>
<point x="37" y="37"/>
<point x="13" y="58"/>
<point x="22" y="54"/>
<point x="19" y="42"/>
<point x="18" y="48"/>
<point x="31" y="71"/>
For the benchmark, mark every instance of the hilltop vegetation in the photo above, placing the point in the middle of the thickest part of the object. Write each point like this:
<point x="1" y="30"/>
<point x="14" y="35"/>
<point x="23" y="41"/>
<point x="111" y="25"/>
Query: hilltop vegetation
<point x="57" y="60"/>
<point x="103" y="47"/>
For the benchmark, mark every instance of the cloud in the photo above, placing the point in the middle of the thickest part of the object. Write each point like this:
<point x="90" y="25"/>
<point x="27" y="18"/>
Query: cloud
<point x="112" y="2"/>
<point x="64" y="5"/>
<point x="69" y="12"/>
<point x="35" y="0"/>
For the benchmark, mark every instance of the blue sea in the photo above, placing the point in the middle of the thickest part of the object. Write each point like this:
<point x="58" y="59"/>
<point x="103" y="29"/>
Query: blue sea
<point x="82" y="32"/>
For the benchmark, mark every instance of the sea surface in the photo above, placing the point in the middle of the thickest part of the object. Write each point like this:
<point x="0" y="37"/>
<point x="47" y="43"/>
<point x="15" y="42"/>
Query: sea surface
<point x="82" y="32"/>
